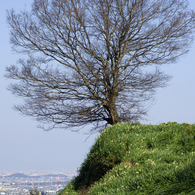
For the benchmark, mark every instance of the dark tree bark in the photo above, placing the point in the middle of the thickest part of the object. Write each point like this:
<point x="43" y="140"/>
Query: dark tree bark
<point x="95" y="61"/>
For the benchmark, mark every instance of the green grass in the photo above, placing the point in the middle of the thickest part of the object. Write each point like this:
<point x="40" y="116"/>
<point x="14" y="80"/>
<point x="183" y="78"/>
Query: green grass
<point x="139" y="159"/>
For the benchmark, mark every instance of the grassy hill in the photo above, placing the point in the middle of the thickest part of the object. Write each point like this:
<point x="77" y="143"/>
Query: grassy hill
<point x="139" y="159"/>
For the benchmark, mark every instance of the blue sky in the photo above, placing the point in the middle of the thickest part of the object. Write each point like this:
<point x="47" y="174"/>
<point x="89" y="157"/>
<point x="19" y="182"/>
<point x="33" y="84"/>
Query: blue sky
<point x="23" y="146"/>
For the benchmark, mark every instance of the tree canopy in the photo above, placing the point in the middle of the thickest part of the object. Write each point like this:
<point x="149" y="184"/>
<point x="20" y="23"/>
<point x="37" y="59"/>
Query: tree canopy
<point x="95" y="61"/>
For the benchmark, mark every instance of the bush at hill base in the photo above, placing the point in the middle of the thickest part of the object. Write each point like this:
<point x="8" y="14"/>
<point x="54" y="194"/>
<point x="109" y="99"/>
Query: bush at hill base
<point x="139" y="159"/>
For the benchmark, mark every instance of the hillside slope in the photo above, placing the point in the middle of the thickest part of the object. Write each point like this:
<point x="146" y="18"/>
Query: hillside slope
<point x="139" y="159"/>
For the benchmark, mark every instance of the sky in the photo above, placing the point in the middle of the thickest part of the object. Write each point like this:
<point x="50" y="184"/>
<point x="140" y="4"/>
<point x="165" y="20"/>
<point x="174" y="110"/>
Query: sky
<point x="24" y="147"/>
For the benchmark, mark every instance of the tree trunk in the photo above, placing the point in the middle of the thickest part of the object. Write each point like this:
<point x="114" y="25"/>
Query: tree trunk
<point x="113" y="116"/>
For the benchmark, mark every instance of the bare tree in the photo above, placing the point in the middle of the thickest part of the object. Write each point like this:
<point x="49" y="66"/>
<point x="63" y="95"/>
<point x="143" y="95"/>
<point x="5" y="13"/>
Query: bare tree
<point x="95" y="61"/>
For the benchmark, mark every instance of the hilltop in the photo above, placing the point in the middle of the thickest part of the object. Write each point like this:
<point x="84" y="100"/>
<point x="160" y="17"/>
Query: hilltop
<point x="139" y="159"/>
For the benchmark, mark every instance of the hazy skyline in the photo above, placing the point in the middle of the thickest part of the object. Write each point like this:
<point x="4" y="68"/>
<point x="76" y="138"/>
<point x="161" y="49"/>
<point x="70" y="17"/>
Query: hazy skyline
<point x="23" y="146"/>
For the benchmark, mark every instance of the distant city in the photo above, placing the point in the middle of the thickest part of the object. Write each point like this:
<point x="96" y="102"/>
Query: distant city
<point x="21" y="183"/>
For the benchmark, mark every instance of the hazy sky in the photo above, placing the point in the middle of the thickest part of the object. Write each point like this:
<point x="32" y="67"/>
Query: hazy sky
<point x="25" y="147"/>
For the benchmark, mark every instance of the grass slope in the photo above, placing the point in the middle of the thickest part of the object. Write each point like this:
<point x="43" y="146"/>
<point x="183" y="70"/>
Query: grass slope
<point x="139" y="159"/>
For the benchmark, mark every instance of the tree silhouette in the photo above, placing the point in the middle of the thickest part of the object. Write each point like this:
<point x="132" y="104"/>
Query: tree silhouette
<point x="95" y="61"/>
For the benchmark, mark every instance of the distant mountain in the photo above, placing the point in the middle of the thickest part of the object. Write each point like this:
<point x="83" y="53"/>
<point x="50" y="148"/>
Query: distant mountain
<point x="21" y="175"/>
